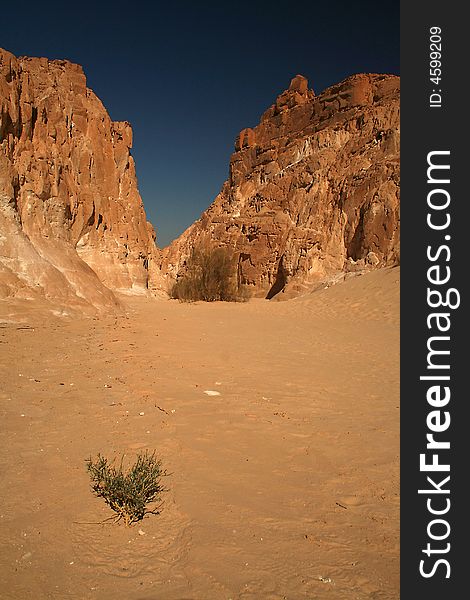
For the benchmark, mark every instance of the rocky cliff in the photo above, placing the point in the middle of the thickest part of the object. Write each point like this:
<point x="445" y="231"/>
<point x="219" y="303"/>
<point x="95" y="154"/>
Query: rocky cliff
<point x="313" y="190"/>
<point x="72" y="223"/>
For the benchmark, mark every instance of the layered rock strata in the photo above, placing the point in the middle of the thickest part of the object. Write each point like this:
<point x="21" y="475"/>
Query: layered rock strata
<point x="313" y="189"/>
<point x="72" y="223"/>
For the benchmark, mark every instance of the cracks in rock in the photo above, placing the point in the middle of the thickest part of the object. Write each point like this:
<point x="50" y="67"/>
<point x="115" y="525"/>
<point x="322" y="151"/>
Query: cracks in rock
<point x="355" y="245"/>
<point x="13" y="202"/>
<point x="279" y="282"/>
<point x="7" y="126"/>
<point x="67" y="213"/>
<point x="251" y="232"/>
<point x="34" y="118"/>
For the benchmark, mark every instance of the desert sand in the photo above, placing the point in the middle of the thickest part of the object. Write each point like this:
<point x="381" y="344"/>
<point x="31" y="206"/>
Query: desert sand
<point x="284" y="485"/>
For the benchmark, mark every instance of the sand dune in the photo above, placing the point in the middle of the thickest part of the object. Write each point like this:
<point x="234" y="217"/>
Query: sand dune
<point x="284" y="485"/>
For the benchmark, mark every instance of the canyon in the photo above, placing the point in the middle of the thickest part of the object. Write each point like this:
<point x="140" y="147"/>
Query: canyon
<point x="277" y="422"/>
<point x="312" y="194"/>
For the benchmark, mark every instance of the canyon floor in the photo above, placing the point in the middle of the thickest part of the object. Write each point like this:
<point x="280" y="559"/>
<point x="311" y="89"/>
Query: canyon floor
<point x="285" y="485"/>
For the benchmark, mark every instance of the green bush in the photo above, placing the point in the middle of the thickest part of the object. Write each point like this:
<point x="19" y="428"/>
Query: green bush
<point x="128" y="493"/>
<point x="210" y="275"/>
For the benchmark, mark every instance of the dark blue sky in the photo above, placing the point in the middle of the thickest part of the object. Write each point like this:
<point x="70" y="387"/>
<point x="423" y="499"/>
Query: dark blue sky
<point x="190" y="75"/>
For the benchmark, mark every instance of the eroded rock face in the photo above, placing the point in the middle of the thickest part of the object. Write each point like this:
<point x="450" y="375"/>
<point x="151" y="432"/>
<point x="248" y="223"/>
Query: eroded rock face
<point x="72" y="223"/>
<point x="313" y="190"/>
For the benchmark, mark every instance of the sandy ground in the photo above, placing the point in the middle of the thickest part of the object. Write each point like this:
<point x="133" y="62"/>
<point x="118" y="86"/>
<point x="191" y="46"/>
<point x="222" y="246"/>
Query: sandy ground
<point x="283" y="486"/>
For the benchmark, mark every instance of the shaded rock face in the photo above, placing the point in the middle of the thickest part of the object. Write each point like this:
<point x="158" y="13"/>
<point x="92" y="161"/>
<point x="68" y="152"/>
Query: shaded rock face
<point x="313" y="190"/>
<point x="72" y="223"/>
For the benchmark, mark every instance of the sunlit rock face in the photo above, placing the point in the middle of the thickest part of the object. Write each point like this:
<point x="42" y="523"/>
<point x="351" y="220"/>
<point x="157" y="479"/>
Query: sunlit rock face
<point x="72" y="223"/>
<point x="313" y="190"/>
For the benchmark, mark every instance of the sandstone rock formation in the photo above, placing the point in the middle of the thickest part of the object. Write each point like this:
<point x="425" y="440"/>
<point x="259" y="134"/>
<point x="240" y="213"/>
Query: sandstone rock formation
<point x="72" y="223"/>
<point x="313" y="190"/>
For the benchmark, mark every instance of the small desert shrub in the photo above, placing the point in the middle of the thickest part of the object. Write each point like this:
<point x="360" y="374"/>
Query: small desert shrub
<point x="128" y="493"/>
<point x="210" y="275"/>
